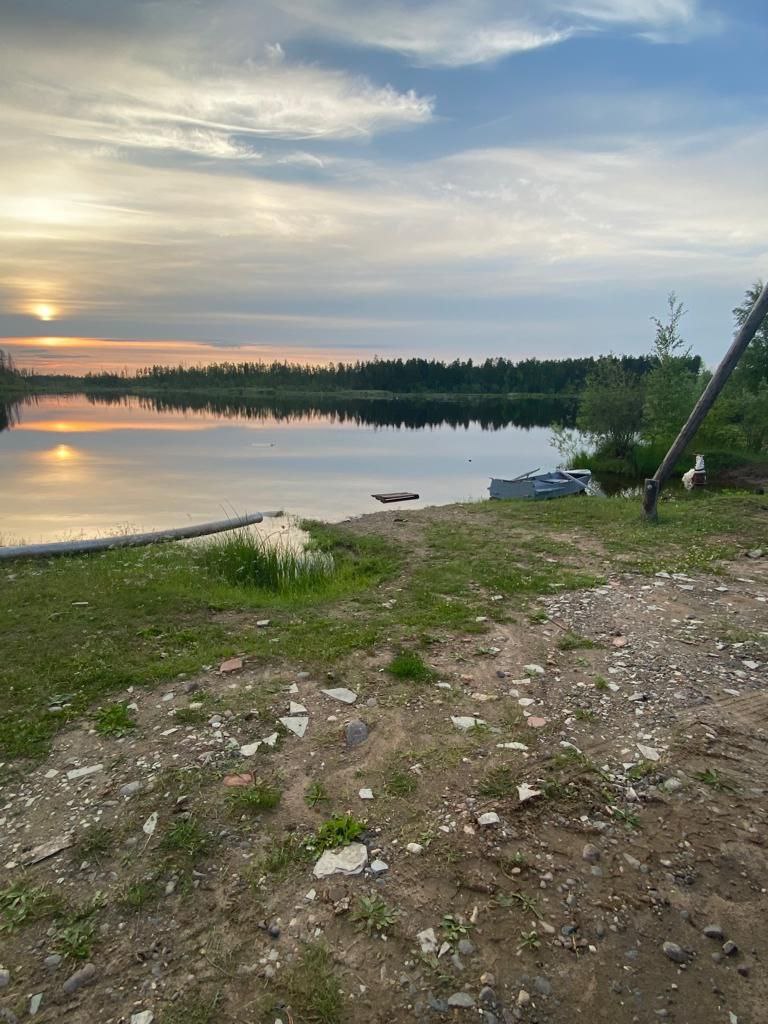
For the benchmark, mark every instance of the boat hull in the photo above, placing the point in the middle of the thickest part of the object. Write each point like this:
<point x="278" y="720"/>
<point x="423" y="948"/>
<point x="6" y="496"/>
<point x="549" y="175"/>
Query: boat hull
<point x="542" y="486"/>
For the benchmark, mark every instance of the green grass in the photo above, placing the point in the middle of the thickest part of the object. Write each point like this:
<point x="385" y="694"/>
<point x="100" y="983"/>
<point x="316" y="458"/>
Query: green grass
<point x="137" y="895"/>
<point x="316" y="794"/>
<point x="75" y="939"/>
<point x="410" y="665"/>
<point x="338" y="831"/>
<point x="115" y="720"/>
<point x="312" y="988"/>
<point x="373" y="915"/>
<point x="22" y="902"/>
<point x="187" y="838"/>
<point x="261" y="796"/>
<point x="282" y="853"/>
<point x="499" y="782"/>
<point x="192" y="1009"/>
<point x="96" y="844"/>
<point x="400" y="783"/>
<point x="711" y="777"/>
<point x="244" y="558"/>
<point x="574" y="642"/>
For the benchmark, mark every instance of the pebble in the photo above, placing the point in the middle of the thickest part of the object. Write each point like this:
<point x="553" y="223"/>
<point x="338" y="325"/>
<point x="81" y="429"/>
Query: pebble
<point x="488" y="819"/>
<point x="462" y="1000"/>
<point x="533" y="670"/>
<point x="5" y="978"/>
<point x="488" y="979"/>
<point x="523" y="997"/>
<point x="34" y="1003"/>
<point x="672" y="785"/>
<point x="467" y="948"/>
<point x="81" y="773"/>
<point x="713" y="931"/>
<point x="341" y="693"/>
<point x="82" y="977"/>
<point x="743" y="970"/>
<point x="675" y="953"/>
<point x="414" y="848"/>
<point x="143" y="1017"/>
<point x="53" y="961"/>
<point x="130" y="789"/>
<point x="273" y="931"/>
<point x="590" y="853"/>
<point x="729" y="948"/>
<point x="349" y="861"/>
<point x="378" y="867"/>
<point x="487" y="996"/>
<point x="355" y="733"/>
<point x="542" y="985"/>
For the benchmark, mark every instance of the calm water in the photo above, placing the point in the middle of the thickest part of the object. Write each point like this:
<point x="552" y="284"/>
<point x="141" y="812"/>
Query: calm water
<point x="76" y="466"/>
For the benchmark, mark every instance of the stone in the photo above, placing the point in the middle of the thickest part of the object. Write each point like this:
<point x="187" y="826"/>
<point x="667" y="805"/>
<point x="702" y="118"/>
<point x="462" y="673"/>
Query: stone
<point x="130" y="789"/>
<point x="672" y="785"/>
<point x="249" y="749"/>
<point x="355" y="733"/>
<point x="675" y="953"/>
<point x="713" y="931"/>
<point x="34" y="1003"/>
<point x="80" y="978"/>
<point x="590" y="853"/>
<point x="378" y="867"/>
<point x="273" y="931"/>
<point x="466" y="947"/>
<point x="536" y="723"/>
<point x="487" y="996"/>
<point x="523" y="998"/>
<point x="296" y="709"/>
<point x="81" y="773"/>
<point x="349" y="861"/>
<point x="142" y="1017"/>
<point x="262" y="623"/>
<point x="341" y="693"/>
<point x="466" y="722"/>
<point x="514" y="745"/>
<point x="533" y="670"/>
<point x="271" y="740"/>
<point x="743" y="970"/>
<point x="416" y="848"/>
<point x="296" y="724"/>
<point x="49" y="849"/>
<point x="231" y="665"/>
<point x="150" y="824"/>
<point x="542" y="985"/>
<point x="5" y="978"/>
<point x="238" y="780"/>
<point x="461" y="1000"/>
<point x="755" y="553"/>
<point x="649" y="753"/>
<point x="632" y="861"/>
<point x="427" y="940"/>
<point x="53" y="961"/>
<point x="488" y="819"/>
<point x="730" y="948"/>
<point x="526" y="792"/>
<point x="365" y="793"/>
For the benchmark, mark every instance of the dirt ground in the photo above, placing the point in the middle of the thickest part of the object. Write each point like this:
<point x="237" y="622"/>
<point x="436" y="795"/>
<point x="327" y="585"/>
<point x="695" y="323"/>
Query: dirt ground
<point x="636" y="710"/>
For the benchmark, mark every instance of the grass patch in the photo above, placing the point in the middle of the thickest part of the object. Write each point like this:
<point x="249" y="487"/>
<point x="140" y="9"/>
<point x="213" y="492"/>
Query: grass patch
<point x="97" y="843"/>
<point x="192" y="1010"/>
<point x="283" y="853"/>
<point x="312" y="988"/>
<point x="711" y="777"/>
<point x="23" y="902"/>
<point x="401" y="783"/>
<point x="338" y="831"/>
<point x="244" y="558"/>
<point x="410" y="665"/>
<point x="373" y="915"/>
<point x="75" y="939"/>
<point x="191" y="716"/>
<point x="316" y="794"/>
<point x="115" y="720"/>
<point x="261" y="796"/>
<point x="139" y="894"/>
<point x="584" y="715"/>
<point x="499" y="782"/>
<point x="574" y="642"/>
<point x="188" y="838"/>
<point x="601" y="683"/>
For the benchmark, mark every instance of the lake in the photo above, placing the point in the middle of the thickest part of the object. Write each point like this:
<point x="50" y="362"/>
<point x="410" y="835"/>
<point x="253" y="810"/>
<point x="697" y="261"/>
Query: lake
<point x="78" y="465"/>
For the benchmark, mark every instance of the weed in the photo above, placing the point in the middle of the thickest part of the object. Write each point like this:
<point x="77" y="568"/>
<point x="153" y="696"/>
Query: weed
<point x="22" y="902"/>
<point x="281" y="854"/>
<point x="601" y="683"/>
<point x="538" y="617"/>
<point x="245" y="559"/>
<point x="527" y="903"/>
<point x="313" y="989"/>
<point x="315" y="794"/>
<point x="628" y="818"/>
<point x="338" y="831"/>
<point x="374" y="915"/>
<point x="499" y="782"/>
<point x="401" y="783"/>
<point x="138" y="894"/>
<point x="529" y="940"/>
<point x="97" y="842"/>
<point x="115" y="720"/>
<point x="410" y="665"/>
<point x="192" y="1010"/>
<point x="75" y="939"/>
<point x="188" y="838"/>
<point x="191" y="716"/>
<point x="711" y="777"/>
<point x="584" y="715"/>
<point x="642" y="770"/>
<point x="253" y="799"/>
<point x="575" y="642"/>
<point x="454" y="928"/>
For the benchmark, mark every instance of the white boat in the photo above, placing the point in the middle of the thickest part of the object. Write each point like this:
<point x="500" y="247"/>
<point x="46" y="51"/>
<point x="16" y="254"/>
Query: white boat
<point x="540" y="486"/>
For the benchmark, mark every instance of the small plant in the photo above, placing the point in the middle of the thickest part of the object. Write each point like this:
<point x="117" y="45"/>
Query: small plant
<point x="575" y="642"/>
<point x="601" y="683"/>
<point x="499" y="782"/>
<point x="313" y="989"/>
<point x="115" y="720"/>
<point x="711" y="777"/>
<point x="75" y="939"/>
<point x="538" y="617"/>
<point x="245" y="559"/>
<point x="137" y="895"/>
<point x="254" y="799"/>
<point x="338" y="831"/>
<point x="281" y="854"/>
<point x="191" y="716"/>
<point x="584" y="715"/>
<point x="192" y="1010"/>
<point x="22" y="902"/>
<point x="642" y="770"/>
<point x="315" y="794"/>
<point x="97" y="842"/>
<point x="374" y="915"/>
<point x="628" y="818"/>
<point x="188" y="838"/>
<point x="529" y="940"/>
<point x="527" y="903"/>
<point x="410" y="665"/>
<point x="454" y="928"/>
<point x="401" y="783"/>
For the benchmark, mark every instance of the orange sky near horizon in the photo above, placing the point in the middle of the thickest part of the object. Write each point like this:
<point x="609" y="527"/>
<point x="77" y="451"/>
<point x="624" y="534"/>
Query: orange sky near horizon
<point x="77" y="356"/>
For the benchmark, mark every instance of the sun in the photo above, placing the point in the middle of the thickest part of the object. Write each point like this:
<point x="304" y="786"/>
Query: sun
<point x="44" y="311"/>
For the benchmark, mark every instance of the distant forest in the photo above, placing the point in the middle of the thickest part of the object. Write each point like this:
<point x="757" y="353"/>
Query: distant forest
<point x="403" y="376"/>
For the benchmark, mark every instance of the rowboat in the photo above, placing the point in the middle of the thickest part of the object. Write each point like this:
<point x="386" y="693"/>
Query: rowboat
<point x="541" y="486"/>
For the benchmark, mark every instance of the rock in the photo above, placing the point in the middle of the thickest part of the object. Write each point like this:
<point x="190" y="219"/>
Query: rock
<point x="80" y="978"/>
<point x="488" y="979"/>
<point x="49" y="849"/>
<point x="542" y="985"/>
<point x="438" y="1005"/>
<point x="262" y="623"/>
<point x="231" y="665"/>
<point x="713" y="931"/>
<point x="743" y="970"/>
<point x="536" y="723"/>
<point x="487" y="996"/>
<point x="590" y="853"/>
<point x="378" y="867"/>
<point x="649" y="753"/>
<point x="149" y="826"/>
<point x="526" y="792"/>
<point x="619" y="641"/>
<point x="297" y="724"/>
<point x="53" y="961"/>
<point x="365" y="794"/>
<point x="238" y="780"/>
<point x="271" y="740"/>
<point x="34" y="1003"/>
<point x="192" y="686"/>
<point x="341" y="693"/>
<point x="5" y="978"/>
<point x="513" y="745"/>
<point x="143" y="1017"/>
<point x="415" y="848"/>
<point x="755" y="553"/>
<point x="349" y="861"/>
<point x="427" y="940"/>
<point x="632" y="861"/>
<point x="672" y="785"/>
<point x="488" y="819"/>
<point x="355" y="733"/>
<point x="130" y="789"/>
<point x="81" y="773"/>
<point x="466" y="722"/>
<point x="533" y="670"/>
<point x="729" y="948"/>
<point x="249" y="749"/>
<point x="461" y="1000"/>
<point x="523" y="998"/>
<point x="467" y="948"/>
<point x="675" y="953"/>
<point x="273" y="931"/>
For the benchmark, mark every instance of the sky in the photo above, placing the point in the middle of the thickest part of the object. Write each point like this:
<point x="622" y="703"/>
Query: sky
<point x="189" y="180"/>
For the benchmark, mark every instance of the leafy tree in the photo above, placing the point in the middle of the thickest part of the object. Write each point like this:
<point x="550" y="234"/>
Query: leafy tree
<point x="752" y="370"/>
<point x="672" y="386"/>
<point x="611" y="407"/>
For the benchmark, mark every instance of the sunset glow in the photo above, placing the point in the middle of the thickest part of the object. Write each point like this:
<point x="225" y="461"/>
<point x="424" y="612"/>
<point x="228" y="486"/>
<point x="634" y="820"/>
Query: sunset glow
<point x="44" y="311"/>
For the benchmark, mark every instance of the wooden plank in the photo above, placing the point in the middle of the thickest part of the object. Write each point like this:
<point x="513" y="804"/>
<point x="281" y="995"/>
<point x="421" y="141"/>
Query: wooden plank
<point x="386" y="499"/>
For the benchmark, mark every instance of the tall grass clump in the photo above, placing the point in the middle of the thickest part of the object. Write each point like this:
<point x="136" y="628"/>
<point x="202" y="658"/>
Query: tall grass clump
<point x="246" y="559"/>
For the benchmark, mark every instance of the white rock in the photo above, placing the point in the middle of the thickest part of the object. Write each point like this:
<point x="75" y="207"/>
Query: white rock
<point x="751" y="665"/>
<point x="297" y="709"/>
<point x="525" y="702"/>
<point x="525" y="792"/>
<point x="649" y="753"/>
<point x="262" y="623"/>
<point x="311" y="895"/>
<point x="297" y="725"/>
<point x="150" y="824"/>
<point x="489" y="818"/>
<point x="51" y="773"/>
<point x="349" y="861"/>
<point x="427" y="940"/>
<point x="514" y="745"/>
<point x="366" y="794"/>
<point x="415" y="848"/>
<point x="270" y="740"/>
<point x="341" y="693"/>
<point x="249" y="749"/>
<point x="80" y="773"/>
<point x="378" y="867"/>
<point x="533" y="670"/>
<point x="144" y="1017"/>
<point x="465" y="722"/>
